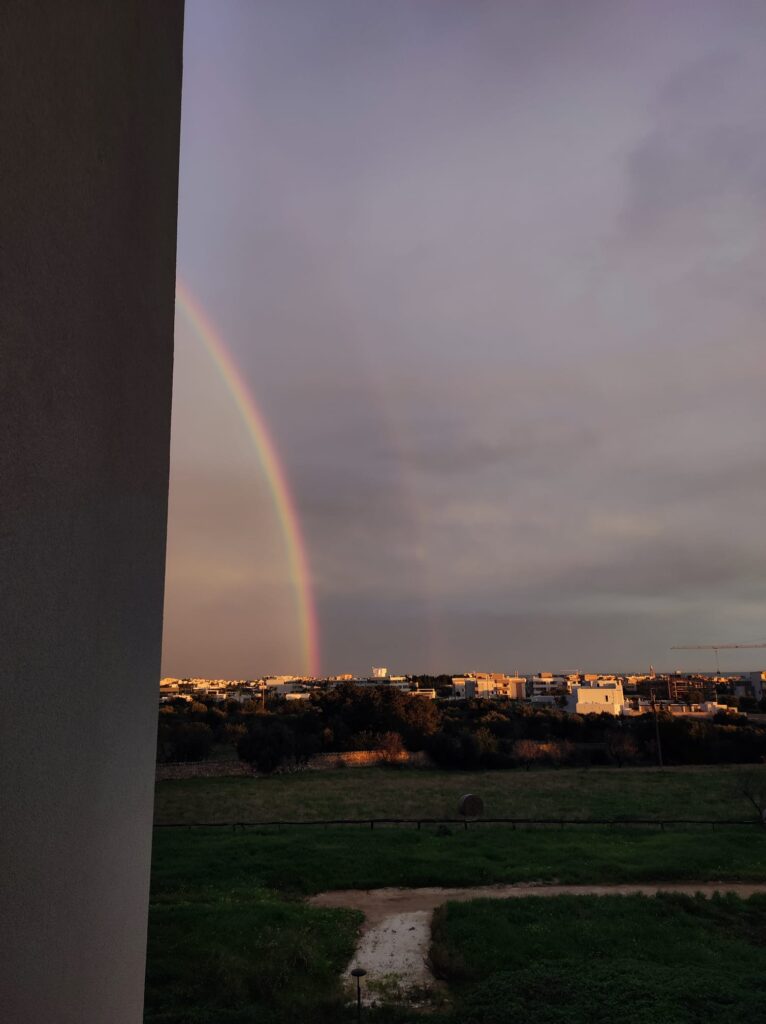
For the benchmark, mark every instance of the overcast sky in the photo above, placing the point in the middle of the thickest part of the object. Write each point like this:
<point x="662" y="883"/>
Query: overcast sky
<point x="494" y="272"/>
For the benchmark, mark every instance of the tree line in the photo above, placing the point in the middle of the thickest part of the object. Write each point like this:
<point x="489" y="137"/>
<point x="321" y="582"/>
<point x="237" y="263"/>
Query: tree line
<point x="466" y="734"/>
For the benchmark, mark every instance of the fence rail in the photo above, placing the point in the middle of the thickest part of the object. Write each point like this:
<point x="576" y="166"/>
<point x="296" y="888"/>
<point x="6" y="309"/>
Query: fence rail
<point x="370" y="823"/>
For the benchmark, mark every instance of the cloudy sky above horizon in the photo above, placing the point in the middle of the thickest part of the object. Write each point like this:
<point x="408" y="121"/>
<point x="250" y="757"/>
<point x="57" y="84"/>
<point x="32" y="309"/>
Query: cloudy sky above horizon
<point x="493" y="273"/>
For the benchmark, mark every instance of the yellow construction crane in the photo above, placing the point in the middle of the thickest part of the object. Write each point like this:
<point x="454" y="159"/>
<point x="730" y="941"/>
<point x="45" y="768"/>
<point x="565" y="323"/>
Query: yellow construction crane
<point x="717" y="648"/>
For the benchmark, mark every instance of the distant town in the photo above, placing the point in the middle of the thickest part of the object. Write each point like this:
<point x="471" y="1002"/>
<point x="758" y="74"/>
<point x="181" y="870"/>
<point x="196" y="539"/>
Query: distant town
<point x="699" y="695"/>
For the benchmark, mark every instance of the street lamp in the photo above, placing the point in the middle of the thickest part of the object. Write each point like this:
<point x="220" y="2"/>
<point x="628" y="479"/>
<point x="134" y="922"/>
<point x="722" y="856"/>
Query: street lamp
<point x="358" y="973"/>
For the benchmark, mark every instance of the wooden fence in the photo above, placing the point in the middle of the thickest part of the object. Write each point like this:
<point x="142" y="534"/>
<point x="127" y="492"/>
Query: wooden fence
<point x="465" y="823"/>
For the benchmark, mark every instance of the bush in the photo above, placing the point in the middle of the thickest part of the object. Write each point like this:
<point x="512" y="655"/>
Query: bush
<point x="191" y="741"/>
<point x="268" y="745"/>
<point x="391" y="748"/>
<point x="445" y="750"/>
<point x="527" y="752"/>
<point x="621" y="748"/>
<point x="560" y="752"/>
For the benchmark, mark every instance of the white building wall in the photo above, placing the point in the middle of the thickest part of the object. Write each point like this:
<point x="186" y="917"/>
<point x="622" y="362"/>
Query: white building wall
<point x="596" y="699"/>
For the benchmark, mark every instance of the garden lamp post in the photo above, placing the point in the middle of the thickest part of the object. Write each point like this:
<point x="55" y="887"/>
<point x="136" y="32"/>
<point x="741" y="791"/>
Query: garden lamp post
<point x="358" y="973"/>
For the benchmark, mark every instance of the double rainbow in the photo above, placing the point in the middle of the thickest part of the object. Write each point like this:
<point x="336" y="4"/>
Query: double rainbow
<point x="284" y="503"/>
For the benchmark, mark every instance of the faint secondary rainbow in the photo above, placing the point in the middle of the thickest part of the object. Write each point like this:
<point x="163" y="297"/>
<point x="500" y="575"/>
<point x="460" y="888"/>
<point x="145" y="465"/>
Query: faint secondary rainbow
<point x="284" y="503"/>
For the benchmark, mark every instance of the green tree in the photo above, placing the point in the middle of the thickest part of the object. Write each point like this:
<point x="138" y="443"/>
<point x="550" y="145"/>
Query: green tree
<point x="267" y="744"/>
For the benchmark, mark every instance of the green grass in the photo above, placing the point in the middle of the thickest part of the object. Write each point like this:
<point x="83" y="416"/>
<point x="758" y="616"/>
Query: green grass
<point x="228" y="954"/>
<point x="244" y="958"/>
<point x="604" y="960"/>
<point x="303" y="861"/>
<point x="230" y="942"/>
<point x="705" y="792"/>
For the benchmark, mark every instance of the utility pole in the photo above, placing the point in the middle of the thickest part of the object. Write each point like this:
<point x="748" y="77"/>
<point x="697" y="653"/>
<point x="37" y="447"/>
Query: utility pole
<point x="657" y="731"/>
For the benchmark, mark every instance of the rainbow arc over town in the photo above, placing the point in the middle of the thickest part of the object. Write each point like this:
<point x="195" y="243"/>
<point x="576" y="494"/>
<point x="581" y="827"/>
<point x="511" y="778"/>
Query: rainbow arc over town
<point x="284" y="503"/>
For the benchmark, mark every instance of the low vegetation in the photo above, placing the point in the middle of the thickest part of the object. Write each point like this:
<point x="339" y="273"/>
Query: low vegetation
<point x="231" y="940"/>
<point x="228" y="958"/>
<point x="304" y="861"/>
<point x="610" y="959"/>
<point x="714" y="792"/>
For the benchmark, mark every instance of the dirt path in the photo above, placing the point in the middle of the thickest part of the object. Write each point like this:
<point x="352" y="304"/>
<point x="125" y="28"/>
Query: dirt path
<point x="393" y="946"/>
<point x="377" y="904"/>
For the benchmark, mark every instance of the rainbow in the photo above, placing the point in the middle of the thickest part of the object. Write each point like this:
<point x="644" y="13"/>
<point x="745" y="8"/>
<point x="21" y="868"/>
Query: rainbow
<point x="295" y="547"/>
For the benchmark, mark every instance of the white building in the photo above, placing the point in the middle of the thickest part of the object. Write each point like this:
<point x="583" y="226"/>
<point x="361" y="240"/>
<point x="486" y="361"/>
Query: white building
<point x="546" y="684"/>
<point x="489" y="684"/>
<point x="380" y="673"/>
<point x="513" y="687"/>
<point x="477" y="684"/>
<point x="546" y="687"/>
<point x="399" y="683"/>
<point x="597" y="698"/>
<point x="389" y="682"/>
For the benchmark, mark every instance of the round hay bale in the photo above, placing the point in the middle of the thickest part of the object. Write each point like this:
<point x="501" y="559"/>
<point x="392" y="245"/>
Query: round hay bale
<point x="470" y="806"/>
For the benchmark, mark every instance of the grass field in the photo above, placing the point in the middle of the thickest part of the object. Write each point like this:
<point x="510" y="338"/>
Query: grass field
<point x="609" y="959"/>
<point x="231" y="941"/>
<point x="231" y="958"/>
<point x="707" y="792"/>
<point x="302" y="861"/>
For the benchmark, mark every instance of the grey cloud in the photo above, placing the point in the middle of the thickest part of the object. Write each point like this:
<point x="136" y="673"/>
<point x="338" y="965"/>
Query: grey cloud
<point x="671" y="569"/>
<point x="494" y="274"/>
<point x="707" y="147"/>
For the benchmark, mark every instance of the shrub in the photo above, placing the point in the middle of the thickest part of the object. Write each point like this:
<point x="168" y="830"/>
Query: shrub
<point x="267" y="744"/>
<point x="621" y="748"/>
<point x="191" y="741"/>
<point x="391" y="748"/>
<point x="527" y="752"/>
